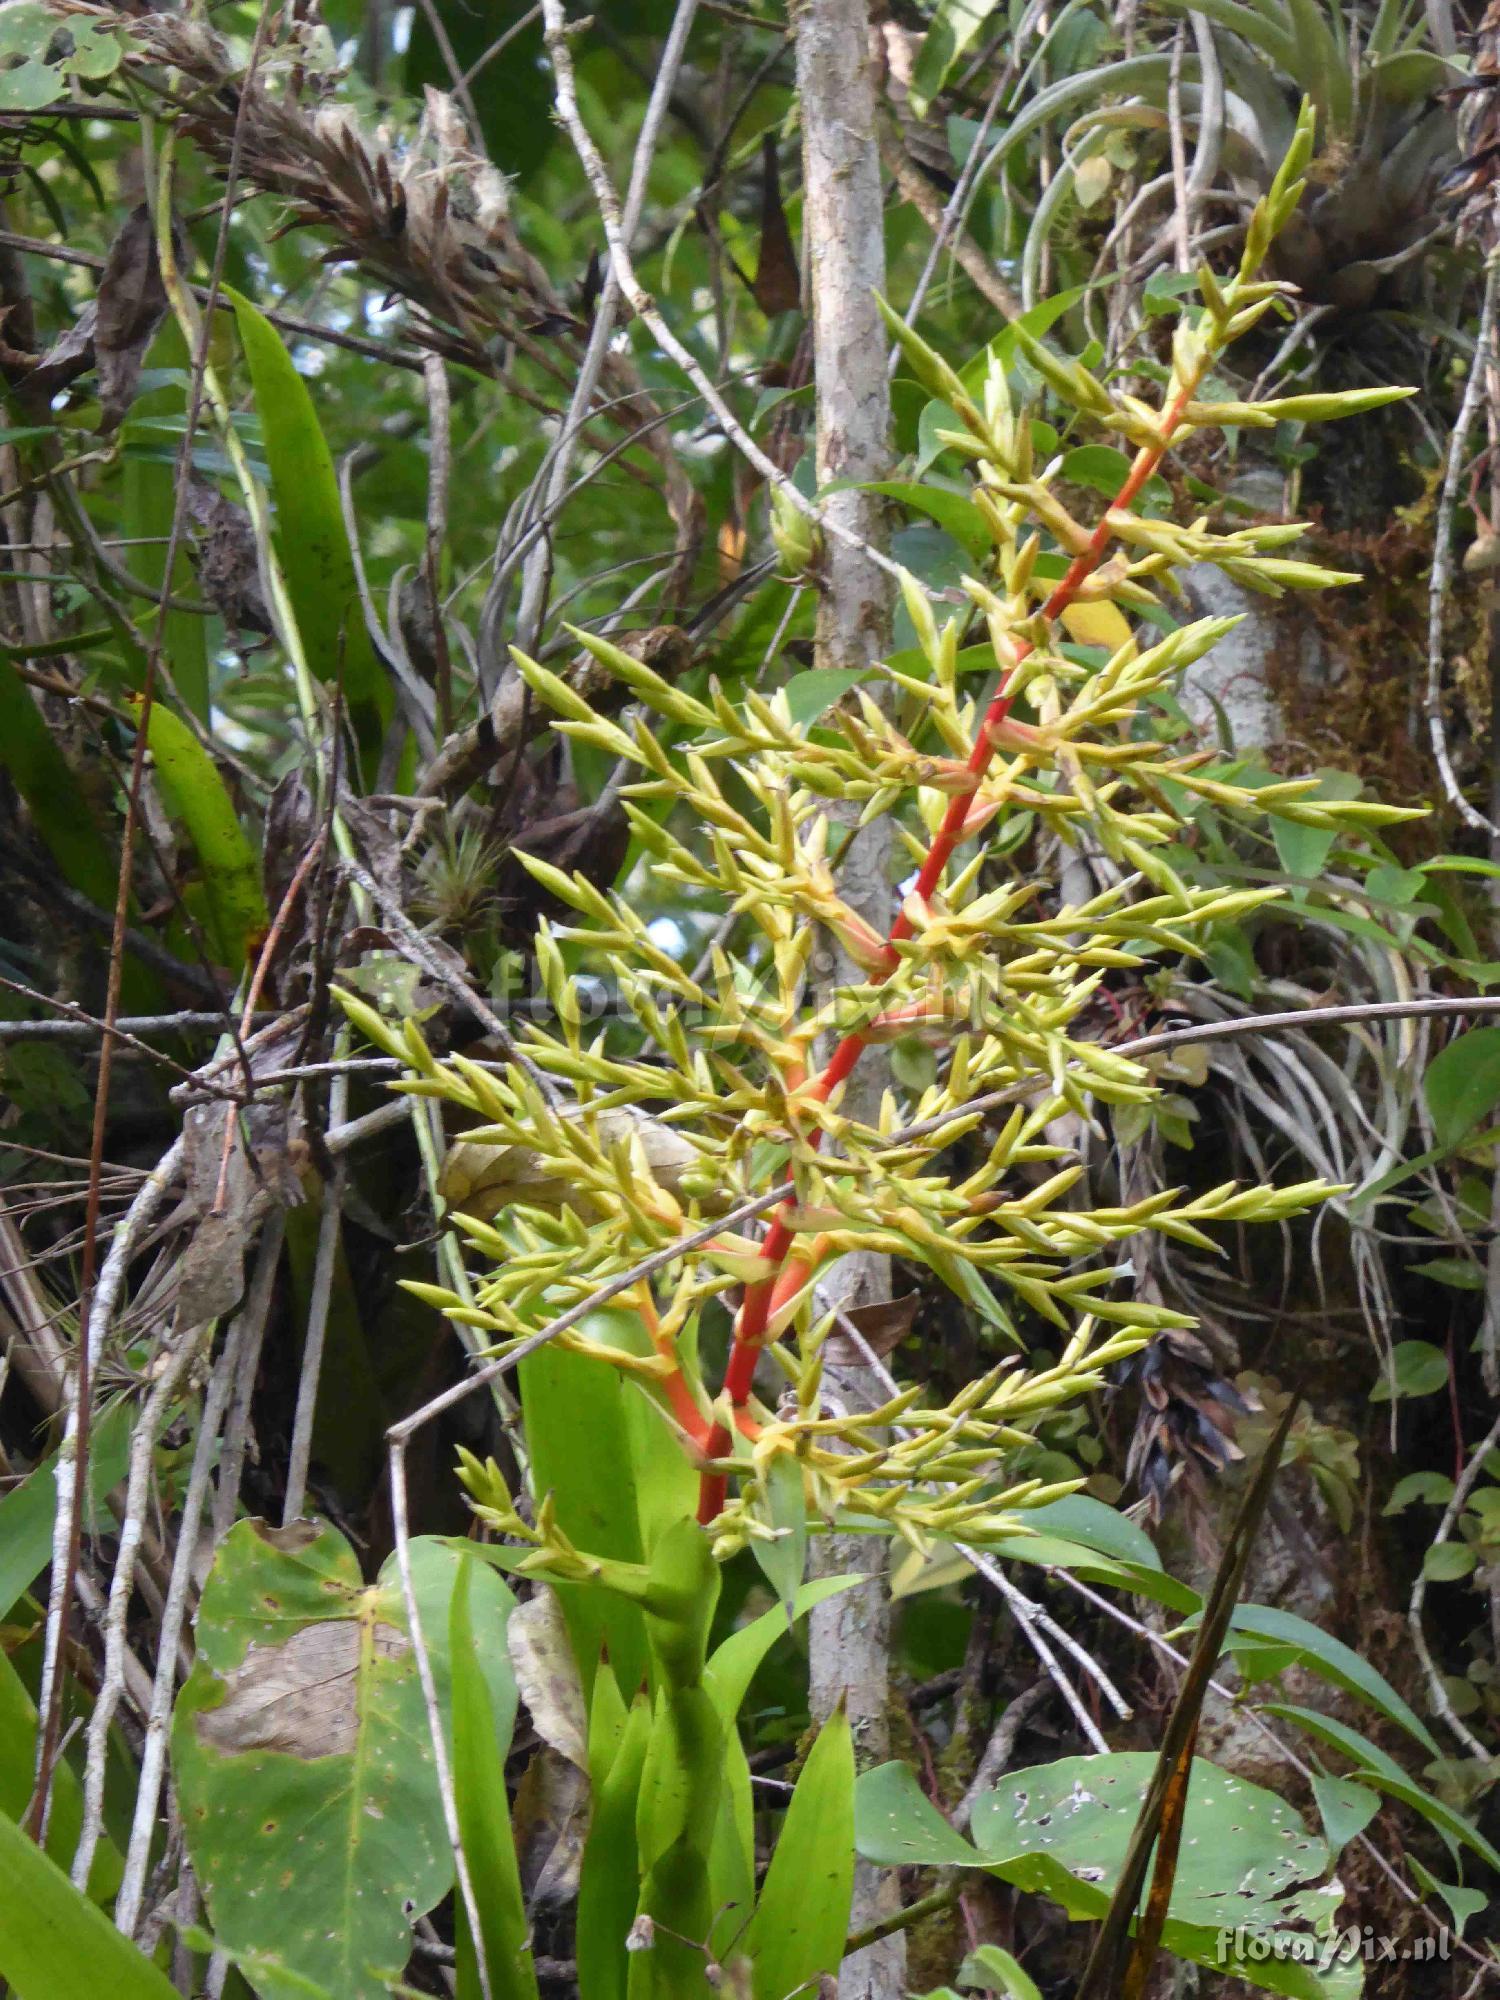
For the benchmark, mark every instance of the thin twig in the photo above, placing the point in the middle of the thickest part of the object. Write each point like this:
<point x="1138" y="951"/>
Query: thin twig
<point x="442" y="1769"/>
<point x="1442" y="551"/>
<point x="372" y="350"/>
<point x="143" y="1826"/>
<point x="324" y="1263"/>
<point x="71" y="1467"/>
<point x="537" y="573"/>
<point x="249" y="1337"/>
<point x="174" y="1365"/>
<point x="608" y="203"/>
<point x="1437" y="1693"/>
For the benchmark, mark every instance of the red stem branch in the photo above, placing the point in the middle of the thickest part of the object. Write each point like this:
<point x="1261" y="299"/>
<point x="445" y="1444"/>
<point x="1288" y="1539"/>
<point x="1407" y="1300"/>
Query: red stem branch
<point x="766" y="1294"/>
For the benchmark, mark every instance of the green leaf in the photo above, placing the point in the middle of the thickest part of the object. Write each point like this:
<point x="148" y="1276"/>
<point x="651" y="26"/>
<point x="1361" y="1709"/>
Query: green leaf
<point x="609" y="1880"/>
<point x="784" y="1559"/>
<point x="1461" y="1274"/>
<point x="1062" y="1830"/>
<point x="1449" y="1562"/>
<point x="29" y="1510"/>
<point x="234" y="912"/>
<point x="1416" y="1368"/>
<point x="954" y="26"/>
<point x="1463" y="1903"/>
<point x="813" y="693"/>
<point x="954" y="513"/>
<point x="1462" y="1083"/>
<point x="1333" y="1661"/>
<point x="802" y="1918"/>
<point x="580" y="1455"/>
<point x="896" y="1824"/>
<point x="481" y="1739"/>
<point x="18" y="1770"/>
<point x="302" y="1757"/>
<point x="998" y="1972"/>
<point x="1435" y="1489"/>
<point x="1346" y="1808"/>
<point x="1382" y="1771"/>
<point x="734" y="1661"/>
<point x="57" y="805"/>
<point x="150" y="503"/>
<point x="310" y="532"/>
<point x="1104" y="469"/>
<point x="54" y="1943"/>
<point x="1304" y="849"/>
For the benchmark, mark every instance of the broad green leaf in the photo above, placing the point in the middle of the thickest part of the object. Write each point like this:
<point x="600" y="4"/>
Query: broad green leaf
<point x="1304" y="849"/>
<point x="302" y="1757"/>
<point x="150" y="506"/>
<point x="580" y="1455"/>
<point x="234" y="910"/>
<point x="57" y="1945"/>
<point x="481" y="1739"/>
<point x="784" y="1559"/>
<point x="1079" y="1517"/>
<point x="1105" y="468"/>
<point x="1463" y="1903"/>
<point x="1462" y="1083"/>
<point x="1460" y="1274"/>
<point x="310" y="532"/>
<point x="54" y="798"/>
<point x="1416" y="1368"/>
<point x="802" y="1917"/>
<point x="954" y="26"/>
<point x="954" y="513"/>
<point x="897" y="1825"/>
<point x="1062" y="1830"/>
<point x="18" y="1770"/>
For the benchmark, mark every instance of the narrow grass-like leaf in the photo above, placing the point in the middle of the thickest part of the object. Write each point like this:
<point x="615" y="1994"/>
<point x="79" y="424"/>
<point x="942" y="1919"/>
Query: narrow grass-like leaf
<point x="802" y="1917"/>
<point x="310" y="532"/>
<point x="54" y="1943"/>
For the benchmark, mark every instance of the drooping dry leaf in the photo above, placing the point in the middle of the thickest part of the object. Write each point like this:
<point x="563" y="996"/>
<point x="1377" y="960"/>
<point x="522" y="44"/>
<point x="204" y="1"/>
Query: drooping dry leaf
<point x="541" y="1655"/>
<point x="131" y="306"/>
<point x="884" y="1323"/>
<point x="778" y="284"/>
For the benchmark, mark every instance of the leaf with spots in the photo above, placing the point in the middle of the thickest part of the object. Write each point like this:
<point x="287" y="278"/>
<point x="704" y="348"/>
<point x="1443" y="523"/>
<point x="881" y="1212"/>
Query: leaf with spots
<point x="302" y="1757"/>
<point x="1062" y="1831"/>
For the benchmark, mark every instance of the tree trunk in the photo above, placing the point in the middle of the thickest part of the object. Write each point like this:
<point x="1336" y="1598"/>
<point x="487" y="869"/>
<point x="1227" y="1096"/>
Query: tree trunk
<point x="845" y="251"/>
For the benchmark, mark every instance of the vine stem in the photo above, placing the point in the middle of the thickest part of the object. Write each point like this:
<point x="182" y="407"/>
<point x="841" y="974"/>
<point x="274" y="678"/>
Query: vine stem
<point x="789" y="1273"/>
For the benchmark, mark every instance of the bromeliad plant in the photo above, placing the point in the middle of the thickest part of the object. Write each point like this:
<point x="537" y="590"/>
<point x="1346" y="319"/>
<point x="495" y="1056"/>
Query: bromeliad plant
<point x="592" y="1158"/>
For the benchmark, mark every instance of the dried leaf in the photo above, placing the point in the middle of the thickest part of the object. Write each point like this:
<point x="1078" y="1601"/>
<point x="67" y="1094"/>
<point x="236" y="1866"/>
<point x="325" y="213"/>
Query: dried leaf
<point x="131" y="306"/>
<point x="547" y="1675"/>
<point x="884" y="1323"/>
<point x="778" y="283"/>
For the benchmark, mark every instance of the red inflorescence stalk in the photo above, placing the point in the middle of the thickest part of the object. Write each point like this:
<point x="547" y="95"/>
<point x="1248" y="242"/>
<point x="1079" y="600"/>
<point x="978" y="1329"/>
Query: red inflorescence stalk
<point x="767" y="1294"/>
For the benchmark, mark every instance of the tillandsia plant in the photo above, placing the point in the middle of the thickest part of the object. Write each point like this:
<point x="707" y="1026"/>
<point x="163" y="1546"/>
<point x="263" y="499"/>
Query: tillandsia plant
<point x="610" y="1172"/>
